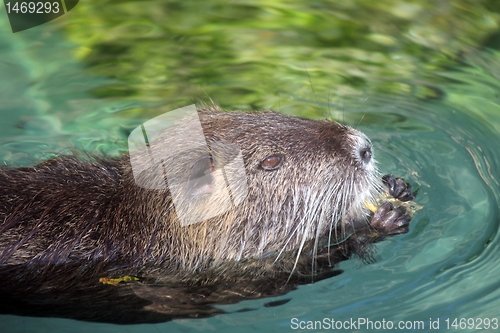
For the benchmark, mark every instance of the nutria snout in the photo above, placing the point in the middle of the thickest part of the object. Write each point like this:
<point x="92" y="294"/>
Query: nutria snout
<point x="297" y="205"/>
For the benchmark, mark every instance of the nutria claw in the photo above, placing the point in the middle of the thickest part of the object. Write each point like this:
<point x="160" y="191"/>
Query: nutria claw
<point x="398" y="188"/>
<point x="391" y="221"/>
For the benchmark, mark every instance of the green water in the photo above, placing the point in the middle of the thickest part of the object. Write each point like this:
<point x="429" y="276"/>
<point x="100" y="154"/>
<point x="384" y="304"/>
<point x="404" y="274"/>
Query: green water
<point x="420" y="78"/>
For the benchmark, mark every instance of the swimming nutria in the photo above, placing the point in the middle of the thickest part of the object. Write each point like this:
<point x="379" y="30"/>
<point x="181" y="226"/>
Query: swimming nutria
<point x="70" y="225"/>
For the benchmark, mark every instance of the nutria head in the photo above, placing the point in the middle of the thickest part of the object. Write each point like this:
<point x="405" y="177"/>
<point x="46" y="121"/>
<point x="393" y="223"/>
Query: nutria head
<point x="298" y="180"/>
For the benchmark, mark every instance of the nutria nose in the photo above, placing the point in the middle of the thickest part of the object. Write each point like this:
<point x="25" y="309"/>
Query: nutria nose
<point x="365" y="153"/>
<point x="363" y="149"/>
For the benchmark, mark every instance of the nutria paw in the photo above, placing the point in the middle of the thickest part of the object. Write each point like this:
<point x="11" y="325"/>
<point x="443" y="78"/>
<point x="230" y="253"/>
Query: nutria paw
<point x="390" y="221"/>
<point x="398" y="188"/>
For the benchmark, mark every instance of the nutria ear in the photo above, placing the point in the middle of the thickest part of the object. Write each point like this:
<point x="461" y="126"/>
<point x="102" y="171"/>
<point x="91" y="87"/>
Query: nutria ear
<point x="201" y="180"/>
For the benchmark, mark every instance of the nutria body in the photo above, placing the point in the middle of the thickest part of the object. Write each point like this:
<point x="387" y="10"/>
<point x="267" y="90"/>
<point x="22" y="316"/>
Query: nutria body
<point x="66" y="223"/>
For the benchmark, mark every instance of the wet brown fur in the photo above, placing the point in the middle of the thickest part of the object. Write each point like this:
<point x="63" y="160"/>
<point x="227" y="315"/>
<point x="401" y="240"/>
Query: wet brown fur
<point x="67" y="222"/>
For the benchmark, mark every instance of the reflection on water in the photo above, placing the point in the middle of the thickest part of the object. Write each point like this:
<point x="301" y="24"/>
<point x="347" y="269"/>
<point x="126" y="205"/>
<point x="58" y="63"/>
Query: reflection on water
<point x="413" y="75"/>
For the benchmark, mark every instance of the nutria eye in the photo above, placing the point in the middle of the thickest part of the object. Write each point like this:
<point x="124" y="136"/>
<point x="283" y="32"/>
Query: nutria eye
<point x="272" y="162"/>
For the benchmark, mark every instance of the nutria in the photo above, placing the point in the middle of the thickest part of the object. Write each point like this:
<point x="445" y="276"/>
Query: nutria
<point x="71" y="228"/>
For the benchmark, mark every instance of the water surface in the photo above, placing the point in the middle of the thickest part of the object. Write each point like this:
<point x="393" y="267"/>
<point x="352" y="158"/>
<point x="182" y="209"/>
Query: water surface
<point x="420" y="78"/>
